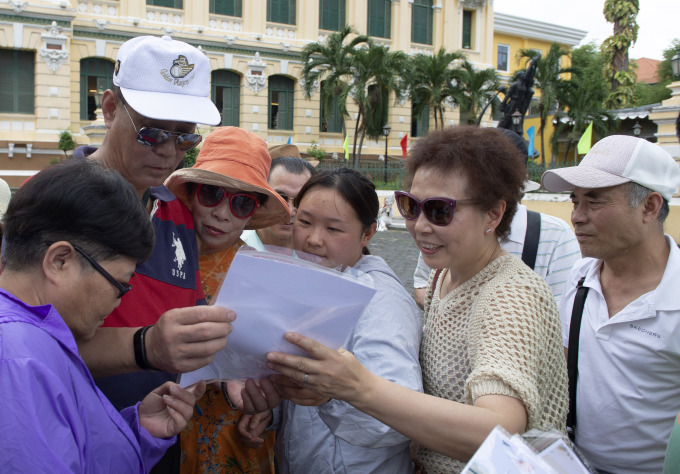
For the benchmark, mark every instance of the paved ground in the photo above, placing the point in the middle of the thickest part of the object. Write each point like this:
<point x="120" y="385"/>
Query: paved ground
<point x="399" y="251"/>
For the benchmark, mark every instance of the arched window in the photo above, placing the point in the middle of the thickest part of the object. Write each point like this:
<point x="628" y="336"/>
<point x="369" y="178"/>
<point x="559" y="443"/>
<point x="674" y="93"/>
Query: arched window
<point x="420" y="124"/>
<point x="379" y="18"/>
<point x="281" y="104"/>
<point x="332" y="14"/>
<point x="96" y="74"/>
<point x="421" y="22"/>
<point x="226" y="94"/>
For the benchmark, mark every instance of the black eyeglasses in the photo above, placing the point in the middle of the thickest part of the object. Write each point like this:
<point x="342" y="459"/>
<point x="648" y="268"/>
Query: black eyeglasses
<point x="122" y="288"/>
<point x="438" y="210"/>
<point x="151" y="136"/>
<point x="242" y="205"/>
<point x="289" y="199"/>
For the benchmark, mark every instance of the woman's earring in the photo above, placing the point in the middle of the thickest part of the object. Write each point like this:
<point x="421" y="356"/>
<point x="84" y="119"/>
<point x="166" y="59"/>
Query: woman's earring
<point x="488" y="231"/>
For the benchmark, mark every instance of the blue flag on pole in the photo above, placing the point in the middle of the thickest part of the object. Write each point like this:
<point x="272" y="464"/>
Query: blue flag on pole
<point x="530" y="133"/>
<point x="290" y="139"/>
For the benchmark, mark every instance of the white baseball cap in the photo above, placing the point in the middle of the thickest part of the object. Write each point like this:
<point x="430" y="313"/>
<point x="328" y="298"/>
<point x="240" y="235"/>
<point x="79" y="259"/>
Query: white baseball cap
<point x="619" y="159"/>
<point x="165" y="79"/>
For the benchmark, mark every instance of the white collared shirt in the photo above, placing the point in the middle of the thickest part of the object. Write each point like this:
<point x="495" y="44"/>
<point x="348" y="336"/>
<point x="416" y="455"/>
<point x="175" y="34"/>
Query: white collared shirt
<point x="628" y="389"/>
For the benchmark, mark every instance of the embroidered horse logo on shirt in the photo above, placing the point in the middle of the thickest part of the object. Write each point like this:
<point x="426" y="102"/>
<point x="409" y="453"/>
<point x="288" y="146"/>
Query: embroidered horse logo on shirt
<point x="180" y="256"/>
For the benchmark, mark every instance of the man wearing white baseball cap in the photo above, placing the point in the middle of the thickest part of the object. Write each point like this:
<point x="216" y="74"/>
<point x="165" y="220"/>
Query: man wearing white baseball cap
<point x="621" y="313"/>
<point x="161" y="90"/>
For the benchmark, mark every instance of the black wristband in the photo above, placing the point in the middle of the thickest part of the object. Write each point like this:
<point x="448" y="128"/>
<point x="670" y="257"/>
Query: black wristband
<point x="139" y="343"/>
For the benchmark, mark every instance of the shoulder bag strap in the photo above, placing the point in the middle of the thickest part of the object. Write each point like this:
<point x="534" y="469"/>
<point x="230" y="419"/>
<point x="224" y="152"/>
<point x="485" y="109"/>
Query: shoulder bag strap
<point x="572" y="352"/>
<point x="531" y="238"/>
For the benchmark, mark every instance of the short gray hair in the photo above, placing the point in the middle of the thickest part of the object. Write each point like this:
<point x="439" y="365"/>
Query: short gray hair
<point x="637" y="193"/>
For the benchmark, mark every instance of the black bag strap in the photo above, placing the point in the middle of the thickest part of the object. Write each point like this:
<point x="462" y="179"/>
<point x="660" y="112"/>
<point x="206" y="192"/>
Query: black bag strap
<point x="531" y="238"/>
<point x="572" y="352"/>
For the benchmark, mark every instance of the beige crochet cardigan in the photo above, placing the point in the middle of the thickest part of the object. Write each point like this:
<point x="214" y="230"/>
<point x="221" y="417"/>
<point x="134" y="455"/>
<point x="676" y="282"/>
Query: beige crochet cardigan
<point x="497" y="333"/>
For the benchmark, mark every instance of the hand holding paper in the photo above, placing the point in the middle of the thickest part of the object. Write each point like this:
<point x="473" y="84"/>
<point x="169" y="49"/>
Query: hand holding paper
<point x="273" y="294"/>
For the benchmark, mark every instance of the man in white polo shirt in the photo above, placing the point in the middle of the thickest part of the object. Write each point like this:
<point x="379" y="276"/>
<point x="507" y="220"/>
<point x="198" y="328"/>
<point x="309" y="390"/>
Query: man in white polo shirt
<point x="628" y="367"/>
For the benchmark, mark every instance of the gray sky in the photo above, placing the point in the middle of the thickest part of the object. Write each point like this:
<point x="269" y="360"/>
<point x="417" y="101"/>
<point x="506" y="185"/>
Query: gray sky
<point x="659" y="20"/>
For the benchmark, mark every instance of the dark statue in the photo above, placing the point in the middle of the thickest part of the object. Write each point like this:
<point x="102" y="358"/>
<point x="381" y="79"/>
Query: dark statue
<point x="518" y="97"/>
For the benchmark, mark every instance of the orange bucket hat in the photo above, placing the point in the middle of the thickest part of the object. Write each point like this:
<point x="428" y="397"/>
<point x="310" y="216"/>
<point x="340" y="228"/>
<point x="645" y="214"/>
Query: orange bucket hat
<point x="234" y="158"/>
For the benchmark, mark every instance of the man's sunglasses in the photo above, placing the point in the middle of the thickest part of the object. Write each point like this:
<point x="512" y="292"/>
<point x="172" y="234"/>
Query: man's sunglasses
<point x="241" y="205"/>
<point x="122" y="288"/>
<point x="439" y="210"/>
<point x="151" y="136"/>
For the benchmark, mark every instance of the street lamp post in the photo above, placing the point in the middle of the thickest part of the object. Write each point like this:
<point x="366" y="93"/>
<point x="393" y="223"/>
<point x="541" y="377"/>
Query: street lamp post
<point x="637" y="128"/>
<point x="516" y="120"/>
<point x="386" y="131"/>
<point x="675" y="65"/>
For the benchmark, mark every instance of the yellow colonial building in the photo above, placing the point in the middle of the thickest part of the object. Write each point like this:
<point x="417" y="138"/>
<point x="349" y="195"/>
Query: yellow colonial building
<point x="56" y="55"/>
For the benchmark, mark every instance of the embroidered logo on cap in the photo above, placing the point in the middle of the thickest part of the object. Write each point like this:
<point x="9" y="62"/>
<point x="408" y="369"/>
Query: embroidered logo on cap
<point x="116" y="68"/>
<point x="181" y="67"/>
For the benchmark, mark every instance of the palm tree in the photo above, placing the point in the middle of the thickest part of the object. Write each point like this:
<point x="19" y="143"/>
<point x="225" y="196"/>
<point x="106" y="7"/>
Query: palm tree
<point x="548" y="79"/>
<point x="583" y="97"/>
<point x="378" y="72"/>
<point x="584" y="105"/>
<point x="622" y="13"/>
<point x="431" y="82"/>
<point x="472" y="89"/>
<point x="331" y="62"/>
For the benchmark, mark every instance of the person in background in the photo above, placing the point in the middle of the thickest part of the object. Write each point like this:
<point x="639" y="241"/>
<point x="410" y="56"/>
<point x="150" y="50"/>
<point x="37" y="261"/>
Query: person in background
<point x="336" y="219"/>
<point x="73" y="235"/>
<point x="287" y="174"/>
<point x="672" y="461"/>
<point x="490" y="353"/>
<point x="546" y="243"/>
<point x="226" y="191"/>
<point x="161" y="89"/>
<point x="624" y="350"/>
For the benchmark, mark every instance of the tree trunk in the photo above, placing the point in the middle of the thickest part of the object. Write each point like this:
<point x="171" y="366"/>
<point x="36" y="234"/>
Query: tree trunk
<point x="361" y="143"/>
<point x="566" y="153"/>
<point x="354" y="144"/>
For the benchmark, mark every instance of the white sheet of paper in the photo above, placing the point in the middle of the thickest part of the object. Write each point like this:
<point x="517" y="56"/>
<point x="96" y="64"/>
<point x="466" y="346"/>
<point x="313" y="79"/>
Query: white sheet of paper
<point x="504" y="454"/>
<point x="273" y="294"/>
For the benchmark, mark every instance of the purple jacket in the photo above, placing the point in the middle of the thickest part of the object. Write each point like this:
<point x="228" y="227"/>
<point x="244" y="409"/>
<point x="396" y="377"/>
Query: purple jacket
<point x="52" y="416"/>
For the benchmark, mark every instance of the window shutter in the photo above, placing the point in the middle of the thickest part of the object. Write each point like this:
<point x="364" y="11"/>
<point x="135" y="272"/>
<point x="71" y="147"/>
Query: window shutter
<point x="467" y="29"/>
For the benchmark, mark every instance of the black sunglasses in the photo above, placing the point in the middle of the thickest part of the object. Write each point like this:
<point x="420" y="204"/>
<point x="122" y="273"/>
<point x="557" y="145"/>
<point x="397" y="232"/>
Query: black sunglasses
<point x="438" y="210"/>
<point x="151" y="136"/>
<point x="122" y="288"/>
<point x="242" y="205"/>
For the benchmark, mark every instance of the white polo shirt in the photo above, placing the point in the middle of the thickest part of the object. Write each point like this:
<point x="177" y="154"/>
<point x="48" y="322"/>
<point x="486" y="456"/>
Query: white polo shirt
<point x="557" y="251"/>
<point x="628" y="389"/>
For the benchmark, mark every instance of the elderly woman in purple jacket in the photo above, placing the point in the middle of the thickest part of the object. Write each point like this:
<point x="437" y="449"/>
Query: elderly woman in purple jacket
<point x="73" y="235"/>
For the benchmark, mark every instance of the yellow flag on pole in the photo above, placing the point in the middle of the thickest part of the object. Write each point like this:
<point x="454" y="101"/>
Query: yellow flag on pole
<point x="585" y="143"/>
<point x="345" y="146"/>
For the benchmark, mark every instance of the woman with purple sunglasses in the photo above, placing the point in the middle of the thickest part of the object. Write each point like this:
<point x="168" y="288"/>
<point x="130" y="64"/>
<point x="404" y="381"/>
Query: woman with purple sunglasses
<point x="227" y="192"/>
<point x="491" y="351"/>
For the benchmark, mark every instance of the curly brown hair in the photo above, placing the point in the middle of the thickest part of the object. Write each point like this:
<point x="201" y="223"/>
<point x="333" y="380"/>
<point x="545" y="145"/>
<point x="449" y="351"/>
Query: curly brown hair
<point x="494" y="168"/>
